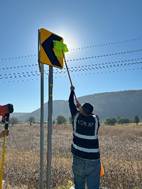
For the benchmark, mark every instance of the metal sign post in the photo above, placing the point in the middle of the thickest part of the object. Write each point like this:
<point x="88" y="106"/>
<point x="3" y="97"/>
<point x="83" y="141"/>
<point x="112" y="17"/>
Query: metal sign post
<point x="42" y="130"/>
<point x="41" y="68"/>
<point x="49" y="135"/>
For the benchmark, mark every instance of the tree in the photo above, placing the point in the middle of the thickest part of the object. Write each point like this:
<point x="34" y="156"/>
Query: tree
<point x="123" y="120"/>
<point x="31" y="120"/>
<point x="110" y="121"/>
<point x="136" y="120"/>
<point x="54" y="122"/>
<point x="61" y="119"/>
<point x="13" y="121"/>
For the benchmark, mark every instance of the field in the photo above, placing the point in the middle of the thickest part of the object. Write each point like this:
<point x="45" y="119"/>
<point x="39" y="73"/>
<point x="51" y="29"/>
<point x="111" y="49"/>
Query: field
<point x="121" y="154"/>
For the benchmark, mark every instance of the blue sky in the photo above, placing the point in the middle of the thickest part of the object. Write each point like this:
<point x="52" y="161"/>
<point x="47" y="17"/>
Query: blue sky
<point x="103" y="27"/>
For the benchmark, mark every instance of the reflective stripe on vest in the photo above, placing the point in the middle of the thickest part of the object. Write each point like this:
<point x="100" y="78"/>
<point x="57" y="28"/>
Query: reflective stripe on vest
<point x="86" y="149"/>
<point x="96" y="125"/>
<point x="85" y="136"/>
<point x="75" y="119"/>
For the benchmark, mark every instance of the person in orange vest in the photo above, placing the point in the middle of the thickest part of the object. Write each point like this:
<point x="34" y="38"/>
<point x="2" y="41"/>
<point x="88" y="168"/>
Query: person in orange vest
<point x="85" y="145"/>
<point x="5" y="110"/>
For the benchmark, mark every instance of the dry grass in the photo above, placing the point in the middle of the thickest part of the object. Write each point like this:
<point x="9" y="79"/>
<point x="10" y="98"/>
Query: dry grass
<point x="121" y="154"/>
<point x="121" y="150"/>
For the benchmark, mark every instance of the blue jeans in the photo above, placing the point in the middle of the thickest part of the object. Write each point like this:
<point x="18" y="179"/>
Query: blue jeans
<point x="86" y="172"/>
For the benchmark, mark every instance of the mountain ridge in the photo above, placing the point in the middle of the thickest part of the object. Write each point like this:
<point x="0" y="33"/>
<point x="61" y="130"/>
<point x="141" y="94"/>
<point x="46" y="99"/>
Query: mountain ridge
<point x="125" y="103"/>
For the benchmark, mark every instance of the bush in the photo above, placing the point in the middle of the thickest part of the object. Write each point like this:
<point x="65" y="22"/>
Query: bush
<point x="123" y="120"/>
<point x="13" y="121"/>
<point x="31" y="120"/>
<point x="110" y="121"/>
<point x="136" y="120"/>
<point x="61" y="120"/>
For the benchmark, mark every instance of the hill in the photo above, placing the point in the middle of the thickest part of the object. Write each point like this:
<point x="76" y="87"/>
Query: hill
<point x="106" y="105"/>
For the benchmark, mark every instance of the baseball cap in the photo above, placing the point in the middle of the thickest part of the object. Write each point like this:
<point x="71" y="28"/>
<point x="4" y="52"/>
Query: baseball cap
<point x="87" y="108"/>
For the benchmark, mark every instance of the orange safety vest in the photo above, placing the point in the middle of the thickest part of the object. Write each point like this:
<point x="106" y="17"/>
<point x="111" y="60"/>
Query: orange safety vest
<point x="3" y="110"/>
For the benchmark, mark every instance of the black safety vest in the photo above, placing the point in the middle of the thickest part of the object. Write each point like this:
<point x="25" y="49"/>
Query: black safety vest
<point x="85" y="136"/>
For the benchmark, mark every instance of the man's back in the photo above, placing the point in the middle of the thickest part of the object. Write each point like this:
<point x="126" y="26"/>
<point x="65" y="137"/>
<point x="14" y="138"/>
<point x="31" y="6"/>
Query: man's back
<point x="85" y="137"/>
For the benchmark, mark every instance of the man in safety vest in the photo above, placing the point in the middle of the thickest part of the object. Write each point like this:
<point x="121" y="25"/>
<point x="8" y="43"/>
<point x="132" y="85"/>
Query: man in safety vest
<point x="85" y="145"/>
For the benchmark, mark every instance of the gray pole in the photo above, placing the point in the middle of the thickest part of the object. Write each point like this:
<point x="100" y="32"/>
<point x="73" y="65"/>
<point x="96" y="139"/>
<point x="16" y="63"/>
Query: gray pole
<point x="42" y="129"/>
<point x="49" y="135"/>
<point x="41" y="67"/>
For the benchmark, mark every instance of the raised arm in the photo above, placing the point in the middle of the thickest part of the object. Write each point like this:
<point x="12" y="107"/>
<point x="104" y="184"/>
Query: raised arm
<point x="72" y="105"/>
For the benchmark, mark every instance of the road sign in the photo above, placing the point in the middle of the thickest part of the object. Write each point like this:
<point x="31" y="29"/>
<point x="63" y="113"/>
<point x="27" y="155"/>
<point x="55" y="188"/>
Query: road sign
<point x="47" y="53"/>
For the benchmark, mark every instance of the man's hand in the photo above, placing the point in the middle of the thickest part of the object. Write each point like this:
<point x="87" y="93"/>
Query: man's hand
<point x="78" y="105"/>
<point x="72" y="88"/>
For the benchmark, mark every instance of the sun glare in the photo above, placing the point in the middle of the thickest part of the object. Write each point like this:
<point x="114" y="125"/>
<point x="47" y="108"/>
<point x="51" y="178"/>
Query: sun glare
<point x="69" y="39"/>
